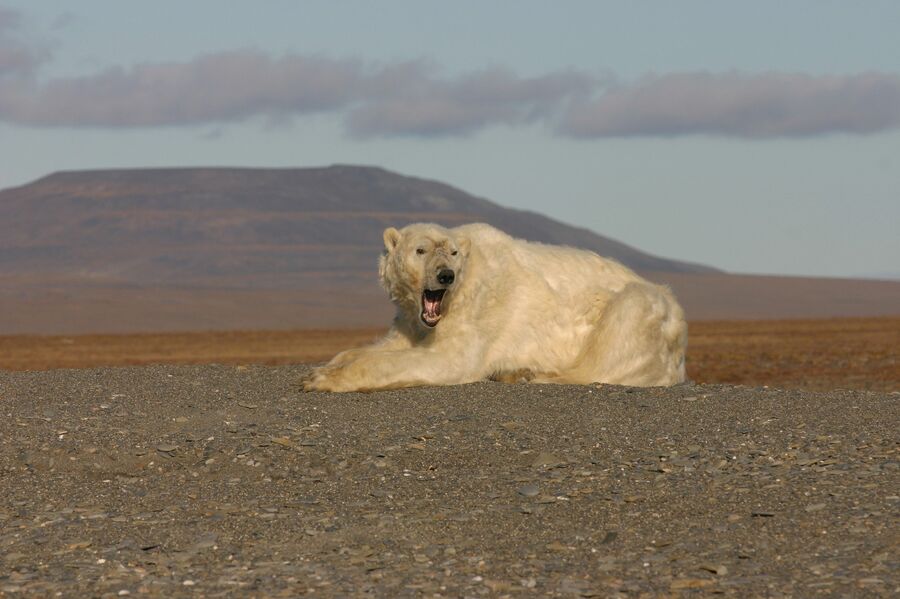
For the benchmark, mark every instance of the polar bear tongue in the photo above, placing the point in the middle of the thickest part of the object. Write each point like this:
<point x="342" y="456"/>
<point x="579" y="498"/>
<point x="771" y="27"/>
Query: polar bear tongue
<point x="431" y="306"/>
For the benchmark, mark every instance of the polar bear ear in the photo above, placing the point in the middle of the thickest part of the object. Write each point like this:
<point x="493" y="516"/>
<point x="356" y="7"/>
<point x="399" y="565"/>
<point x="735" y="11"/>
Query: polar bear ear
<point x="391" y="238"/>
<point x="464" y="244"/>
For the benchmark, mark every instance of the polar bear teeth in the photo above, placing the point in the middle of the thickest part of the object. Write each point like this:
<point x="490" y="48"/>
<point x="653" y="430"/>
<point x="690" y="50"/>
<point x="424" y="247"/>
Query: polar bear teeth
<point x="431" y="306"/>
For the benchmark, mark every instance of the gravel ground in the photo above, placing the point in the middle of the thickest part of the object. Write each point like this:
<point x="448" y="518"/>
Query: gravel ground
<point x="221" y="481"/>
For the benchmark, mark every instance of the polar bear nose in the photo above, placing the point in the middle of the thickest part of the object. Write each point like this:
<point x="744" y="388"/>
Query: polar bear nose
<point x="445" y="276"/>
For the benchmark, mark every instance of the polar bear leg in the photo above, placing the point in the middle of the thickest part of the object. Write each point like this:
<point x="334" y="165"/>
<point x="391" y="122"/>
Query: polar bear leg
<point x="640" y="340"/>
<point x="376" y="368"/>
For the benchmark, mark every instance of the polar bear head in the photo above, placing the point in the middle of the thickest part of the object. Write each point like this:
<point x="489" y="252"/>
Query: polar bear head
<point x="420" y="268"/>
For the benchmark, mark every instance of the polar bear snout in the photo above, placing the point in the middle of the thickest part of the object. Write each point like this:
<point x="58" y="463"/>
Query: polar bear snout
<point x="433" y="295"/>
<point x="446" y="276"/>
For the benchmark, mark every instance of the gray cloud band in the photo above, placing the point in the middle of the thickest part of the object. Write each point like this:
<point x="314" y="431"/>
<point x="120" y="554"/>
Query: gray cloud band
<point x="740" y="105"/>
<point x="411" y="100"/>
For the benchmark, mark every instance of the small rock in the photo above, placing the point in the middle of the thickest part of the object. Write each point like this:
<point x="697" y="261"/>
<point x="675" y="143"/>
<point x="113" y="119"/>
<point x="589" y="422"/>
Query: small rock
<point x="556" y="546"/>
<point x="717" y="569"/>
<point x="284" y="442"/>
<point x="546" y="460"/>
<point x="80" y="545"/>
<point x="497" y="586"/>
<point x="529" y="490"/>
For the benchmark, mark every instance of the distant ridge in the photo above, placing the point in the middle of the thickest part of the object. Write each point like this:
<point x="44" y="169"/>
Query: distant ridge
<point x="246" y="228"/>
<point x="233" y="248"/>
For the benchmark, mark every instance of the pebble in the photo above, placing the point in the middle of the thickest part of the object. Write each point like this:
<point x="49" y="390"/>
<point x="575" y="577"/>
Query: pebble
<point x="546" y="460"/>
<point x="556" y="546"/>
<point x="530" y="490"/>
<point x="690" y="583"/>
<point x="716" y="569"/>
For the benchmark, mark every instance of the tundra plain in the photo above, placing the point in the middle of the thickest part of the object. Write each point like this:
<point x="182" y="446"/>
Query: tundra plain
<point x="815" y="354"/>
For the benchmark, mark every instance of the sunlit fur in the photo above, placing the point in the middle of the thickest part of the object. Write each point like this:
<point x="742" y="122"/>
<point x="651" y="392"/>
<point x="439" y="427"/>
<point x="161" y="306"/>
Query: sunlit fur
<point x="518" y="311"/>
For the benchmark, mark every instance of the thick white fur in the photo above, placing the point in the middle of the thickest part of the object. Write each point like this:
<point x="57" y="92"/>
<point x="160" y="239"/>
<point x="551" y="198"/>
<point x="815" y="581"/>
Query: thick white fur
<point x="516" y="311"/>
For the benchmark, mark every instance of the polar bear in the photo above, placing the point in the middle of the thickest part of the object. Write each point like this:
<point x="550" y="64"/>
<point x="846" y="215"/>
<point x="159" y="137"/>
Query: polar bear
<point x="474" y="303"/>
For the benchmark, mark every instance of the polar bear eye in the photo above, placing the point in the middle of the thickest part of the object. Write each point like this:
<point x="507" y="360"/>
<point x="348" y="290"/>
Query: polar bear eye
<point x="454" y="252"/>
<point x="420" y="251"/>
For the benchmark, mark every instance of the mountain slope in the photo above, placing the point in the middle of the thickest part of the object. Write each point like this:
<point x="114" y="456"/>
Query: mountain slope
<point x="246" y="228"/>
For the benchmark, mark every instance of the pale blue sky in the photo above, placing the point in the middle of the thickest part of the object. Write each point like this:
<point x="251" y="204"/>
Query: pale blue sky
<point x="757" y="137"/>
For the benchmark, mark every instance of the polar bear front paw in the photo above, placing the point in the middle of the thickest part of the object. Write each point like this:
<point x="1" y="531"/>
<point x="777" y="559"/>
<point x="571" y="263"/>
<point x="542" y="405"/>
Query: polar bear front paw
<point x="319" y="379"/>
<point x="330" y="377"/>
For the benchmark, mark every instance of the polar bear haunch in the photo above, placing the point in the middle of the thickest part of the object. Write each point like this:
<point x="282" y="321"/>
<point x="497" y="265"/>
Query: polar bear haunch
<point x="474" y="303"/>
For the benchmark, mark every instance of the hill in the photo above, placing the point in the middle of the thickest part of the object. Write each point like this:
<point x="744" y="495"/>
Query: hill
<point x="246" y="228"/>
<point x="224" y="248"/>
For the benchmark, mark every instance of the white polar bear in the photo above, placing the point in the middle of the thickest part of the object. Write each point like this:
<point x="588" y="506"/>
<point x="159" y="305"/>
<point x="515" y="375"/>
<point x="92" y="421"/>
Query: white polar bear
<point x="474" y="303"/>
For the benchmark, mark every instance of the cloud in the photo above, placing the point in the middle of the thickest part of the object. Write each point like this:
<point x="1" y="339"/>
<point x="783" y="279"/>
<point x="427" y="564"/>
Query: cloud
<point x="396" y="99"/>
<point x="400" y="99"/>
<point x="17" y="59"/>
<point x="216" y="88"/>
<point x="740" y="105"/>
<point x="411" y="102"/>
<point x="9" y="19"/>
<point x="63" y="20"/>
<point x="413" y="99"/>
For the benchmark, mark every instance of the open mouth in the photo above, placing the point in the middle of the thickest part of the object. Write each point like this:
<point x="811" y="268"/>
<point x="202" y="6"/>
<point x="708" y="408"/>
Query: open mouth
<point x="431" y="305"/>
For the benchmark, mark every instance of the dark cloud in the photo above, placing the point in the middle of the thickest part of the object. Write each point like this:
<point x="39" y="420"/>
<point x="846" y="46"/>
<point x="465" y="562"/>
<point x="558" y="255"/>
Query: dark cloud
<point x="740" y="105"/>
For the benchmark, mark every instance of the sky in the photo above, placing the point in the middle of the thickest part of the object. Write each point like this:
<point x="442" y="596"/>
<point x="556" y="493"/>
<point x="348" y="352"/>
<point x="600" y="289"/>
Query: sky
<point x="757" y="137"/>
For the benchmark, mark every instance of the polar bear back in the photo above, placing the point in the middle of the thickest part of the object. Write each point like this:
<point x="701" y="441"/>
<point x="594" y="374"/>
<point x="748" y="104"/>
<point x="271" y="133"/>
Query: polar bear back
<point x="564" y="269"/>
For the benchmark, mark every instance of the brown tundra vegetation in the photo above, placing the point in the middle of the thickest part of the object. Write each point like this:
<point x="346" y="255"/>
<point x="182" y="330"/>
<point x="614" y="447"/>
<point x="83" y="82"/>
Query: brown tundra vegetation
<point x="847" y="353"/>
